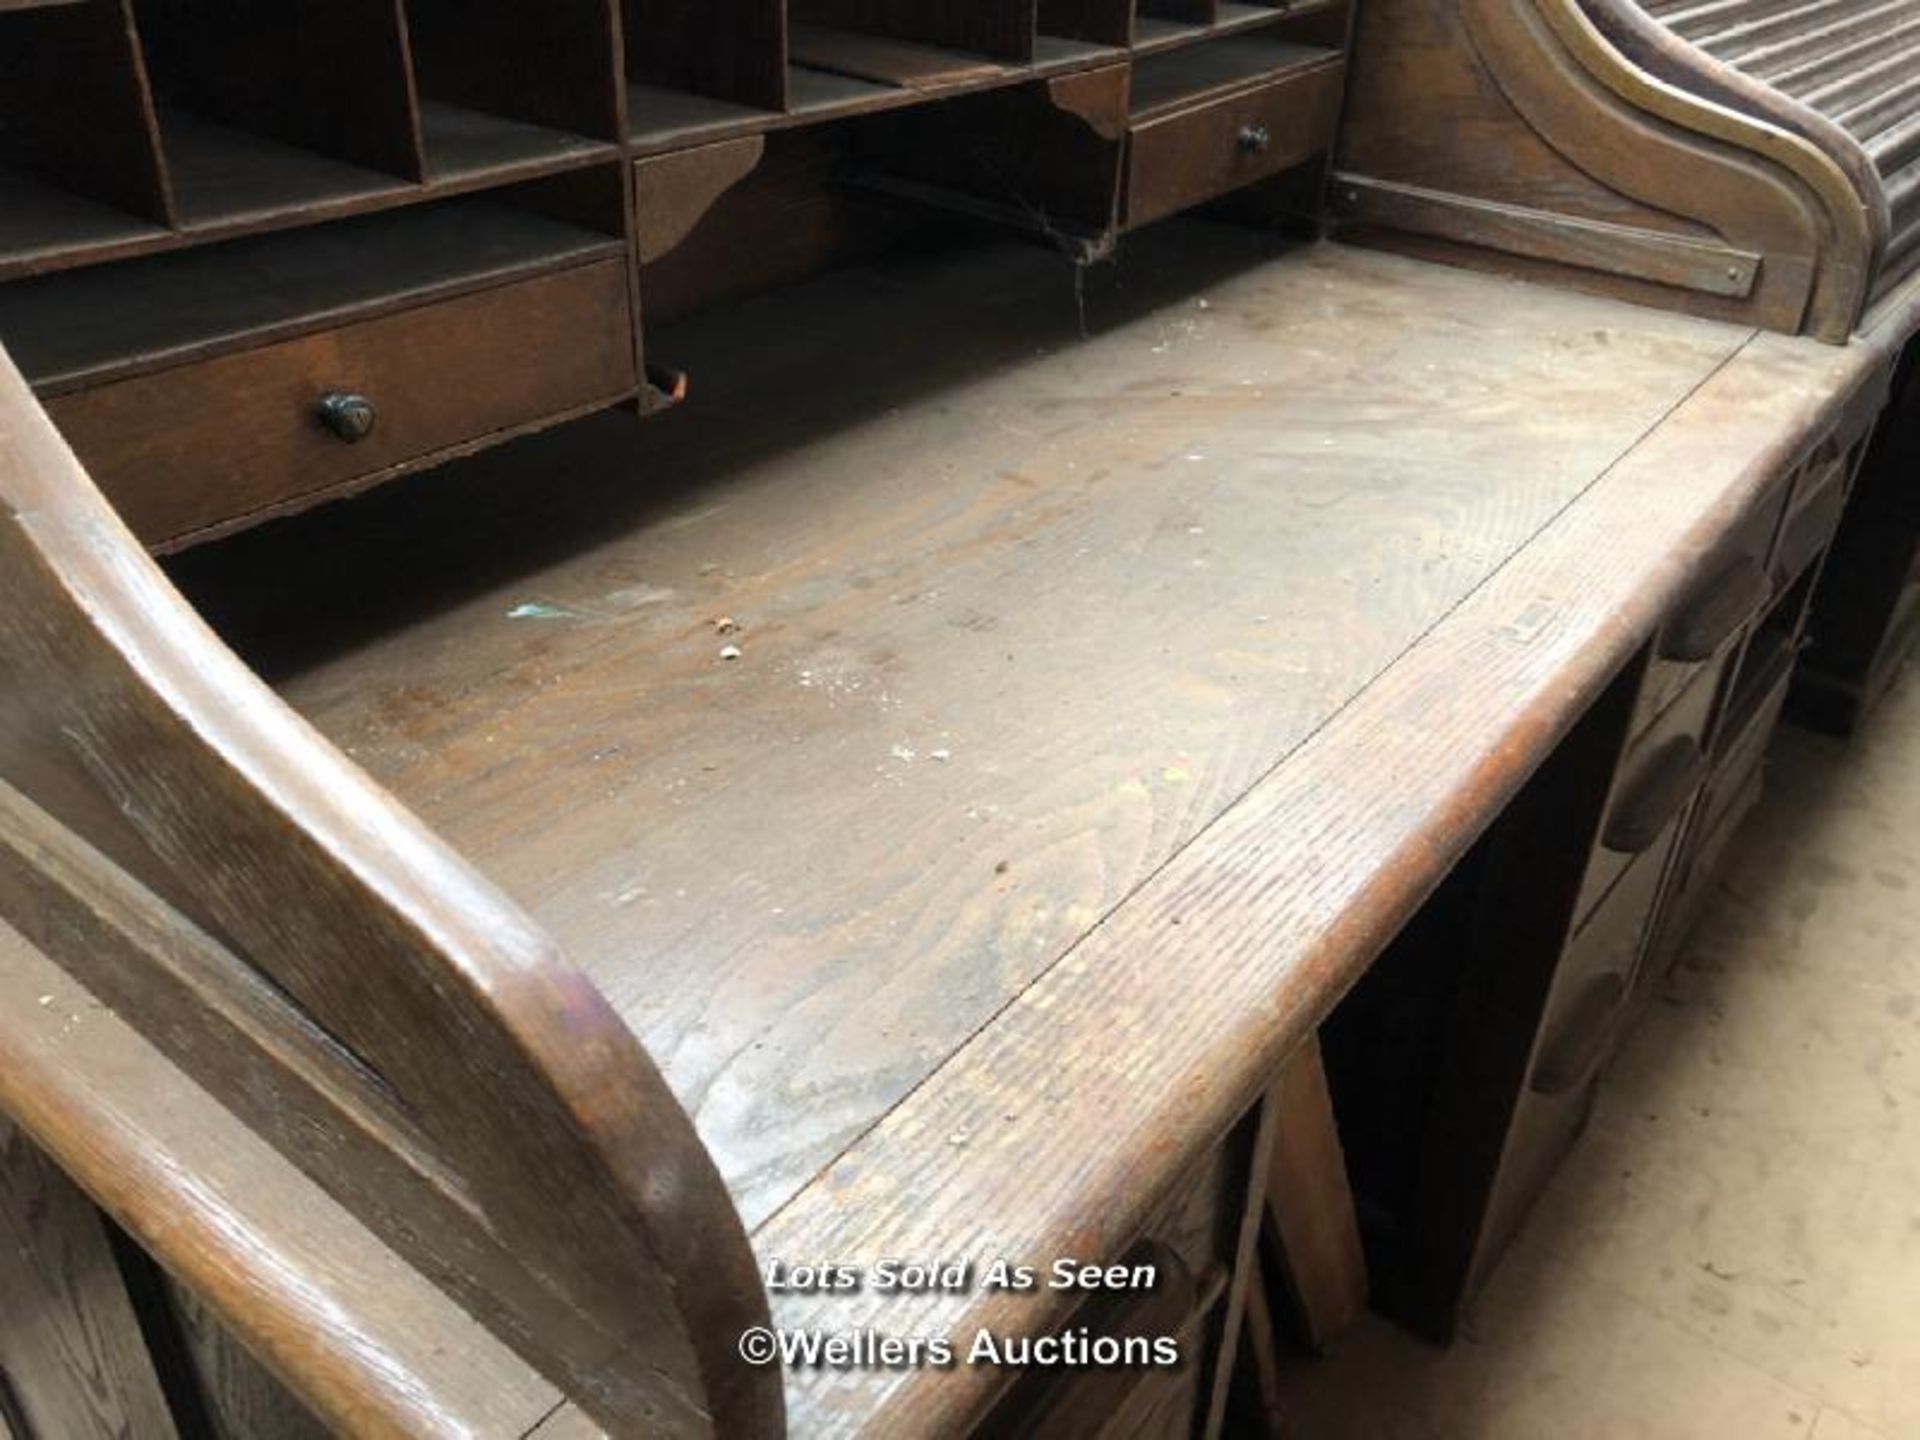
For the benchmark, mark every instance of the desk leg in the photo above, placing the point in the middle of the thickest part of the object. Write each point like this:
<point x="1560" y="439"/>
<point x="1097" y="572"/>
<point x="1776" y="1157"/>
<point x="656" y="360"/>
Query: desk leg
<point x="1313" y="1230"/>
<point x="1300" y="1202"/>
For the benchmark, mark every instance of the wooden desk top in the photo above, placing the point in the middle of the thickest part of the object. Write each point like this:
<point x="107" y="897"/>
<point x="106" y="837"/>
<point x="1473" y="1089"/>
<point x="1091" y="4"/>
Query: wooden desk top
<point x="1103" y="704"/>
<point x="1020" y="617"/>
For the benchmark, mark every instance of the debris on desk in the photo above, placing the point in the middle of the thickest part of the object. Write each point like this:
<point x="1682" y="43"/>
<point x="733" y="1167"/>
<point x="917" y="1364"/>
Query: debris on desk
<point x="539" y="610"/>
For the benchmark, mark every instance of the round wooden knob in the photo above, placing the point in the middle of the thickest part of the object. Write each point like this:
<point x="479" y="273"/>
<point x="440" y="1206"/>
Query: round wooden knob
<point x="348" y="416"/>
<point x="1254" y="140"/>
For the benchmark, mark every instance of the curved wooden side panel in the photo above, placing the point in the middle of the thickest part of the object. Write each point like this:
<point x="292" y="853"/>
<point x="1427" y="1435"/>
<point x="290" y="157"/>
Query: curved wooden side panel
<point x="1653" y="48"/>
<point x="1509" y="134"/>
<point x="476" y="1101"/>
<point x="1623" y="49"/>
<point x="1647" y="156"/>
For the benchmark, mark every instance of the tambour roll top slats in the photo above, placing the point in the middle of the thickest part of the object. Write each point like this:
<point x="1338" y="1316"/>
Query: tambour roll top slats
<point x="1855" y="62"/>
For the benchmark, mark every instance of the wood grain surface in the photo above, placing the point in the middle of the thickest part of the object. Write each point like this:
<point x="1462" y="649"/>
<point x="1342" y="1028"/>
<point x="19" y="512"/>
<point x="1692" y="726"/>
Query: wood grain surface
<point x="1168" y="1017"/>
<point x="243" y="1399"/>
<point x="124" y="719"/>
<point x="1020" y="614"/>
<point x="1158" y="1029"/>
<point x="1521" y="103"/>
<point x="72" y="1359"/>
<point x="373" y="1348"/>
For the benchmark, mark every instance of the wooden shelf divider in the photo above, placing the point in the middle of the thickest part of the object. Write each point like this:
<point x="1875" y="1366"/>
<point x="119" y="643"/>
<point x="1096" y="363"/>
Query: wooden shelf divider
<point x="265" y="109"/>
<point x="110" y="322"/>
<point x="1102" y="22"/>
<point x="80" y="159"/>
<point x="506" y="87"/>
<point x="1174" y="79"/>
<point x="1187" y="12"/>
<point x="998" y="29"/>
<point x="729" y="54"/>
<point x="149" y="148"/>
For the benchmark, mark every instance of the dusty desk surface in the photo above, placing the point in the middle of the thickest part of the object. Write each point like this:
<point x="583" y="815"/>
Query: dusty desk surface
<point x="1022" y="611"/>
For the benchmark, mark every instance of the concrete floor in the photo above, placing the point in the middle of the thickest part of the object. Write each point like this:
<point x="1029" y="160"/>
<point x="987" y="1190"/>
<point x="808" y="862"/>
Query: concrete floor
<point x="1733" y="1250"/>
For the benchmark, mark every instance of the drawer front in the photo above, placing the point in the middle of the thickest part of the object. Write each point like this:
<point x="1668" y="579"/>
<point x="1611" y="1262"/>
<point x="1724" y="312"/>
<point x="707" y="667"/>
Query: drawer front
<point x="1589" y="1000"/>
<point x="1194" y="155"/>
<point x="1543" y="1130"/>
<point x="1733" y="800"/>
<point x="208" y="445"/>
<point x="1744" y="756"/>
<point x="1812" y="520"/>
<point x="1731" y="792"/>
<point x="1660" y="774"/>
<point x="1595" y="975"/>
<point x="1732" y="591"/>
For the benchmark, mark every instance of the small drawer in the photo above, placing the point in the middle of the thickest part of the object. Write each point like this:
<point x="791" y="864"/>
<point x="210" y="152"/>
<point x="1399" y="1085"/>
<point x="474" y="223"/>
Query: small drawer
<point x="1757" y="693"/>
<point x="1730" y="800"/>
<point x="1742" y="759"/>
<point x="1588" y="1001"/>
<point x="1661" y="773"/>
<point x="1734" y="587"/>
<point x="207" y="445"/>
<point x="1595" y="976"/>
<point x="1812" y="520"/>
<point x="1201" y="151"/>
<point x="1544" y="1128"/>
<point x="1703" y="630"/>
